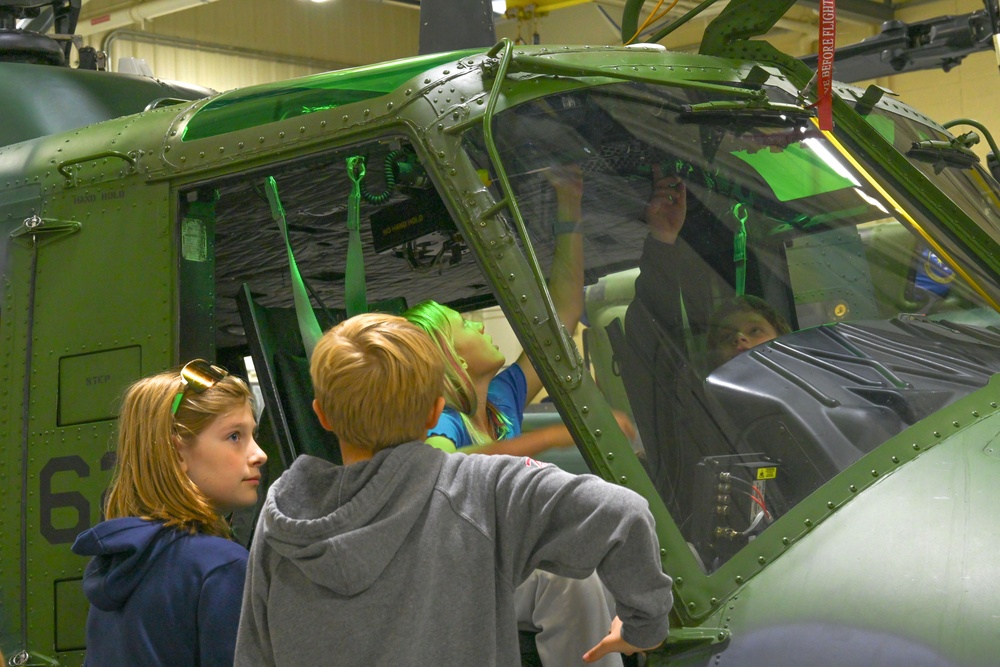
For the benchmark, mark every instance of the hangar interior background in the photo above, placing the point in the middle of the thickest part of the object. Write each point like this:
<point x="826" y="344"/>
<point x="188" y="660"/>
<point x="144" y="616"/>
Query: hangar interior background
<point x="226" y="44"/>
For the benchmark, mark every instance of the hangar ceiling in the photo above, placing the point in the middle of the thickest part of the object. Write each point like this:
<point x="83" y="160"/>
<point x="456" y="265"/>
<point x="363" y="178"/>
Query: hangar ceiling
<point x="287" y="38"/>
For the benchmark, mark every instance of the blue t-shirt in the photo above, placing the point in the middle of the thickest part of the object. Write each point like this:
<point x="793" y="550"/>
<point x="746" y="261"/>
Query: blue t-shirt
<point x="508" y="391"/>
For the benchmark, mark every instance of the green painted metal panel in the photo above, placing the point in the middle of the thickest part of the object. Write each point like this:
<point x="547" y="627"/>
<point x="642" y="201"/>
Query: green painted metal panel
<point x="62" y="98"/>
<point x="90" y="385"/>
<point x="258" y="105"/>
<point x="878" y="547"/>
<point x="107" y="291"/>
<point x="71" y="615"/>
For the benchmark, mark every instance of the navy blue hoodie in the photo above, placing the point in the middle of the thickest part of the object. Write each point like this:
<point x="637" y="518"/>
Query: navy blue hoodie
<point x="160" y="596"/>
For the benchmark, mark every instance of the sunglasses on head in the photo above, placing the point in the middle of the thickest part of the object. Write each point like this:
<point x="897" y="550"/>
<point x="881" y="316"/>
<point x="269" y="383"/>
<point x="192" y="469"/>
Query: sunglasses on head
<point x="199" y="375"/>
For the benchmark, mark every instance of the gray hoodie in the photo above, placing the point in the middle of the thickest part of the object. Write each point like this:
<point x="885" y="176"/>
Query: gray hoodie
<point x="412" y="558"/>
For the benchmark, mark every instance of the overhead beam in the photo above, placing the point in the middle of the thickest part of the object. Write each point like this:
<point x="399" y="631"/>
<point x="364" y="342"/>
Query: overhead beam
<point x="865" y="11"/>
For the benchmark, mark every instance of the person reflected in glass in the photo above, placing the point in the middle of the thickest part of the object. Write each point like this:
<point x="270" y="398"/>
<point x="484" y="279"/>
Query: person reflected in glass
<point x="742" y="323"/>
<point x="674" y="336"/>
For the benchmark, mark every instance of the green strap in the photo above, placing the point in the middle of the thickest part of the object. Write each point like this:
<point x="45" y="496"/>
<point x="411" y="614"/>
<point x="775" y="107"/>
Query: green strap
<point x="740" y="248"/>
<point x="309" y="327"/>
<point x="354" y="278"/>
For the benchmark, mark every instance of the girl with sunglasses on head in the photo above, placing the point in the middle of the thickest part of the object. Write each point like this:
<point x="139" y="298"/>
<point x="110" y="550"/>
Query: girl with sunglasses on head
<point x="166" y="580"/>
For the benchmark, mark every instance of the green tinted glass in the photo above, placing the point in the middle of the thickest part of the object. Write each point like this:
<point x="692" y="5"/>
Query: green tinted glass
<point x="259" y="105"/>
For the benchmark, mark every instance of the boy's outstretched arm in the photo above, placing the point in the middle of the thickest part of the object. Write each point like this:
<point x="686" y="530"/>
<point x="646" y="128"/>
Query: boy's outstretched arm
<point x="614" y="643"/>
<point x="571" y="524"/>
<point x="530" y="443"/>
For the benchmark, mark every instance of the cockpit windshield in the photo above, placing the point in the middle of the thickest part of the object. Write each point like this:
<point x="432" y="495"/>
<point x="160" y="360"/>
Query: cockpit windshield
<point x="764" y="313"/>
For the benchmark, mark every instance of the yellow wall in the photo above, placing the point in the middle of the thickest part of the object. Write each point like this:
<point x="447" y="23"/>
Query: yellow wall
<point x="345" y="33"/>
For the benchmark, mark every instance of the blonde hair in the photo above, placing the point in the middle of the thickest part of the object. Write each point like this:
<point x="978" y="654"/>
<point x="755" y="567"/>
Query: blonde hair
<point x="459" y="390"/>
<point x="376" y="378"/>
<point x="148" y="481"/>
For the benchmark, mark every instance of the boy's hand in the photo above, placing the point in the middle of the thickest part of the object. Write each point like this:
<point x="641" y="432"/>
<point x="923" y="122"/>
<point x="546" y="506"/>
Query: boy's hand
<point x="613" y="643"/>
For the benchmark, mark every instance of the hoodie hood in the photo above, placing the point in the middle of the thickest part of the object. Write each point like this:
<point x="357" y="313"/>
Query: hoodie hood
<point x="342" y="525"/>
<point x="123" y="551"/>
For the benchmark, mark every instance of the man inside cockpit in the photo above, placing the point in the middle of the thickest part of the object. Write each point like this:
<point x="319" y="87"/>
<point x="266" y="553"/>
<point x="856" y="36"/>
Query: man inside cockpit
<point x="674" y="335"/>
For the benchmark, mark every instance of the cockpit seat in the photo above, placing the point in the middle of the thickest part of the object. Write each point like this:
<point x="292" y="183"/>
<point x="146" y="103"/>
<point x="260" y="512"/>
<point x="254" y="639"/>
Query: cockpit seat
<point x="282" y="369"/>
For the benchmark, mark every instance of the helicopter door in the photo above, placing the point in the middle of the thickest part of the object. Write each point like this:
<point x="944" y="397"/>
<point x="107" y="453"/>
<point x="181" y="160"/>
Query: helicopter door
<point x="80" y="254"/>
<point x="409" y="250"/>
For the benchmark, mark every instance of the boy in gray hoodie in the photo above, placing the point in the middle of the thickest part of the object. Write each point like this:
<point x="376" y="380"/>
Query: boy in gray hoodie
<point x="406" y="555"/>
